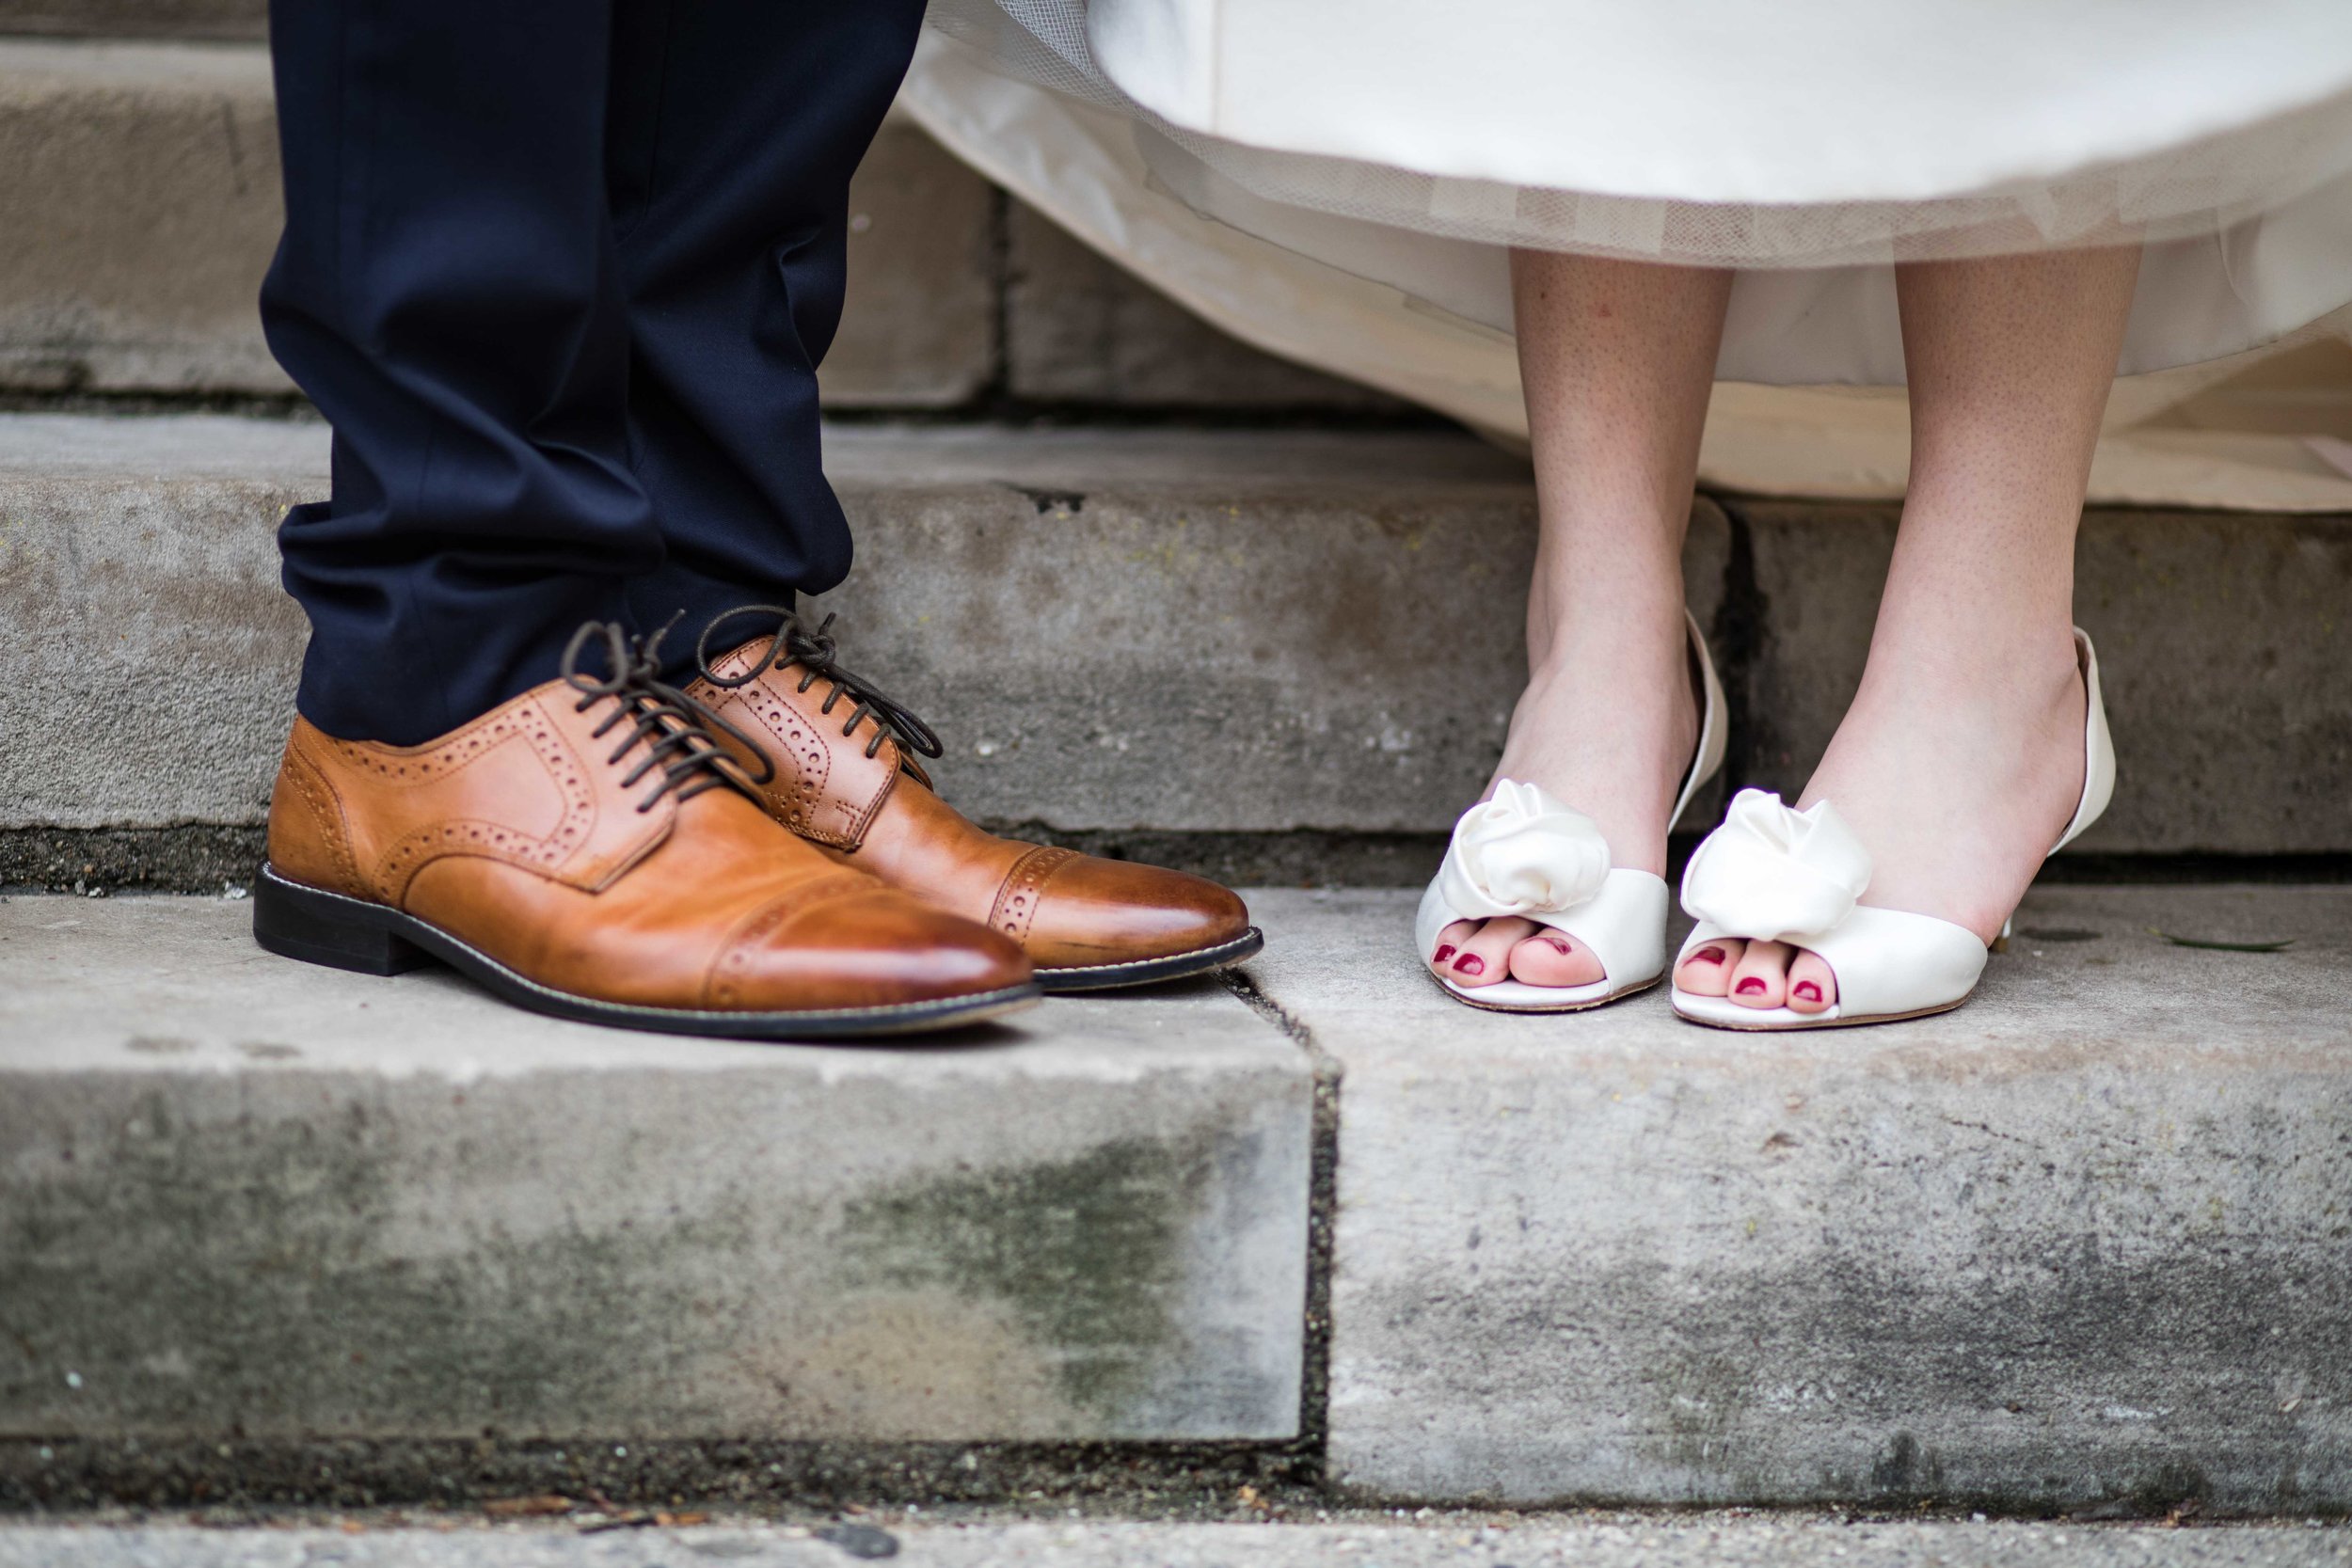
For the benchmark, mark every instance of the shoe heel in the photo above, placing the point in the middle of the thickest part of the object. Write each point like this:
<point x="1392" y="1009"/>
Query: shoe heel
<point x="2001" y="944"/>
<point x="318" y="927"/>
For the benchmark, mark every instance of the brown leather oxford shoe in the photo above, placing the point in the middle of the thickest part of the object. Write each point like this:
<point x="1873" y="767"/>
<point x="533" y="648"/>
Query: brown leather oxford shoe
<point x="842" y="777"/>
<point x="588" y="850"/>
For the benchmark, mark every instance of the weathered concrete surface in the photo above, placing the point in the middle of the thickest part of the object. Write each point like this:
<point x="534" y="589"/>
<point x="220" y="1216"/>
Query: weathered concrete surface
<point x="143" y="207"/>
<point x="919" y="325"/>
<point x="1080" y="330"/>
<point x="139" y="582"/>
<point x="142" y="210"/>
<point x="241" y="1197"/>
<point x="188" y="856"/>
<point x="142" y="19"/>
<point x="2220" y="641"/>
<point x="1201" y="631"/>
<point x="2088" y="1238"/>
<point x="1175" y="631"/>
<point x="1038" y="595"/>
<point x="1697" y="1541"/>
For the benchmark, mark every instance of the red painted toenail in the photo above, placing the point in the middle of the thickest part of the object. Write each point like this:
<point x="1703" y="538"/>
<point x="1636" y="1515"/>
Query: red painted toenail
<point x="1708" y="955"/>
<point x="1750" y="987"/>
<point x="1807" y="990"/>
<point x="1556" y="943"/>
<point x="1470" y="963"/>
<point x="1443" y="953"/>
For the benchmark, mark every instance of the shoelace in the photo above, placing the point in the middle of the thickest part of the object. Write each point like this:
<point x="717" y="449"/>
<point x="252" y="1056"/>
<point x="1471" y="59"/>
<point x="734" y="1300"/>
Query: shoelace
<point x="674" y="728"/>
<point x="813" y="651"/>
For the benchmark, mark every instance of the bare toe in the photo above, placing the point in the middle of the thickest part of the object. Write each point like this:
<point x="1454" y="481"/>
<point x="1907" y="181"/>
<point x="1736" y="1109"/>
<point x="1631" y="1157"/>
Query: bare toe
<point x="1552" y="957"/>
<point x="1708" y="971"/>
<point x="1761" y="978"/>
<point x="1486" y="957"/>
<point x="1812" y="985"/>
<point x="1450" y="942"/>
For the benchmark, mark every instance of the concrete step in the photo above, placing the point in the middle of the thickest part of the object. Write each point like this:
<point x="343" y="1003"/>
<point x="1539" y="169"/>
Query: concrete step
<point x="2088" y="1238"/>
<point x="244" y="1196"/>
<point x="1623" y="1541"/>
<point x="143" y="209"/>
<point x="2084" y="1243"/>
<point x="1286" y="656"/>
<point x="144" y="206"/>
<point x="244" y="19"/>
<point x="1082" y="332"/>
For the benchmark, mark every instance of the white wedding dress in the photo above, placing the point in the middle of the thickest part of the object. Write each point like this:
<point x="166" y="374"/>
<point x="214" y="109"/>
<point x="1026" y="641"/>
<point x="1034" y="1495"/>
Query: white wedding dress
<point x="1340" y="181"/>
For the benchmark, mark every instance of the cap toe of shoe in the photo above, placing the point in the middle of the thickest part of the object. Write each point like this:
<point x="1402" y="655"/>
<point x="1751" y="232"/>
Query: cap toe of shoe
<point x="867" y="949"/>
<point x="1098" y="910"/>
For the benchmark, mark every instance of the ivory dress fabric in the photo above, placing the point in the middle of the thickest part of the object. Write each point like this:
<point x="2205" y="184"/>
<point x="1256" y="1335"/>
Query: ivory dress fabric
<point x="1340" y="181"/>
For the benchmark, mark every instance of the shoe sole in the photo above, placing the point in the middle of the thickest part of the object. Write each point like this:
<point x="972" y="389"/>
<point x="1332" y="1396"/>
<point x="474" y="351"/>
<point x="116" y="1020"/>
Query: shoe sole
<point x="341" y="932"/>
<point x="1585" y="1007"/>
<point x="1145" y="971"/>
<point x="1783" y="1026"/>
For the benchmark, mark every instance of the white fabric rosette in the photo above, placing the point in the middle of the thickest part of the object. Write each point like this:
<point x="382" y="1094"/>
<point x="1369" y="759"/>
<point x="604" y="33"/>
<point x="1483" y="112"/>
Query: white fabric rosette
<point x="1521" y="852"/>
<point x="1772" y="874"/>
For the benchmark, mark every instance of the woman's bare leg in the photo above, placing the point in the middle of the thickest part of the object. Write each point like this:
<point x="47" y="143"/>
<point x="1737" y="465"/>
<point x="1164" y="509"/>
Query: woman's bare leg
<point x="1617" y="358"/>
<point x="1962" y="758"/>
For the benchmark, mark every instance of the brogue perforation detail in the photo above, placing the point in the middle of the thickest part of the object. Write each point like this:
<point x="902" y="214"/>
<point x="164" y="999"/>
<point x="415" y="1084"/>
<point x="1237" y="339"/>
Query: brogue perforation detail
<point x="326" y="808"/>
<point x="563" y="766"/>
<point x="725" y="986"/>
<point x="462" y="837"/>
<point x="803" y="747"/>
<point x="422" y="768"/>
<point x="529" y="723"/>
<point x="1023" y="890"/>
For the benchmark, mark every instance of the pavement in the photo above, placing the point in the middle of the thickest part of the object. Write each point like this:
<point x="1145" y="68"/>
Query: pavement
<point x="2083" y="1237"/>
<point x="1437" y="1541"/>
<point x="241" y="1191"/>
<point x="2080" y="1244"/>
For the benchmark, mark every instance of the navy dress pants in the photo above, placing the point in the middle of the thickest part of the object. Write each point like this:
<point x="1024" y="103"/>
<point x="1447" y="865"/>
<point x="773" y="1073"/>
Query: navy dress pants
<point x="558" y="273"/>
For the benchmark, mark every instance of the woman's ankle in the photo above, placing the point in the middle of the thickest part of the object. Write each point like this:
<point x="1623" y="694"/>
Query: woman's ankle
<point x="1958" y="780"/>
<point x="2025" y="672"/>
<point x="1611" y="735"/>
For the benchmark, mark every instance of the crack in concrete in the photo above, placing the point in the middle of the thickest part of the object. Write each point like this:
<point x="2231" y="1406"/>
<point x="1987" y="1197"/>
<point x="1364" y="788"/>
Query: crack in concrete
<point x="1314" y="1396"/>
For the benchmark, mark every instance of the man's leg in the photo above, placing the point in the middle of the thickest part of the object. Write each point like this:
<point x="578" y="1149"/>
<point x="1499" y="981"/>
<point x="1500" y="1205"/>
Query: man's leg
<point x="477" y="776"/>
<point x="447" y="294"/>
<point x="736" y="126"/>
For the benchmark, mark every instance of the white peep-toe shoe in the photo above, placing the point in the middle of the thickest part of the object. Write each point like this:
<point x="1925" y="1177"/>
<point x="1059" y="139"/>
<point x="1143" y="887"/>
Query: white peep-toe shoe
<point x="1773" y="874"/>
<point x="1523" y="853"/>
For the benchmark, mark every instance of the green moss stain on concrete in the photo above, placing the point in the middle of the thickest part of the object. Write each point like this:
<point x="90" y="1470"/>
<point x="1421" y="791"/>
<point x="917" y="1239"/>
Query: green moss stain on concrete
<point x="278" y="1257"/>
<point x="1089" y="1253"/>
<point x="192" y="1266"/>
